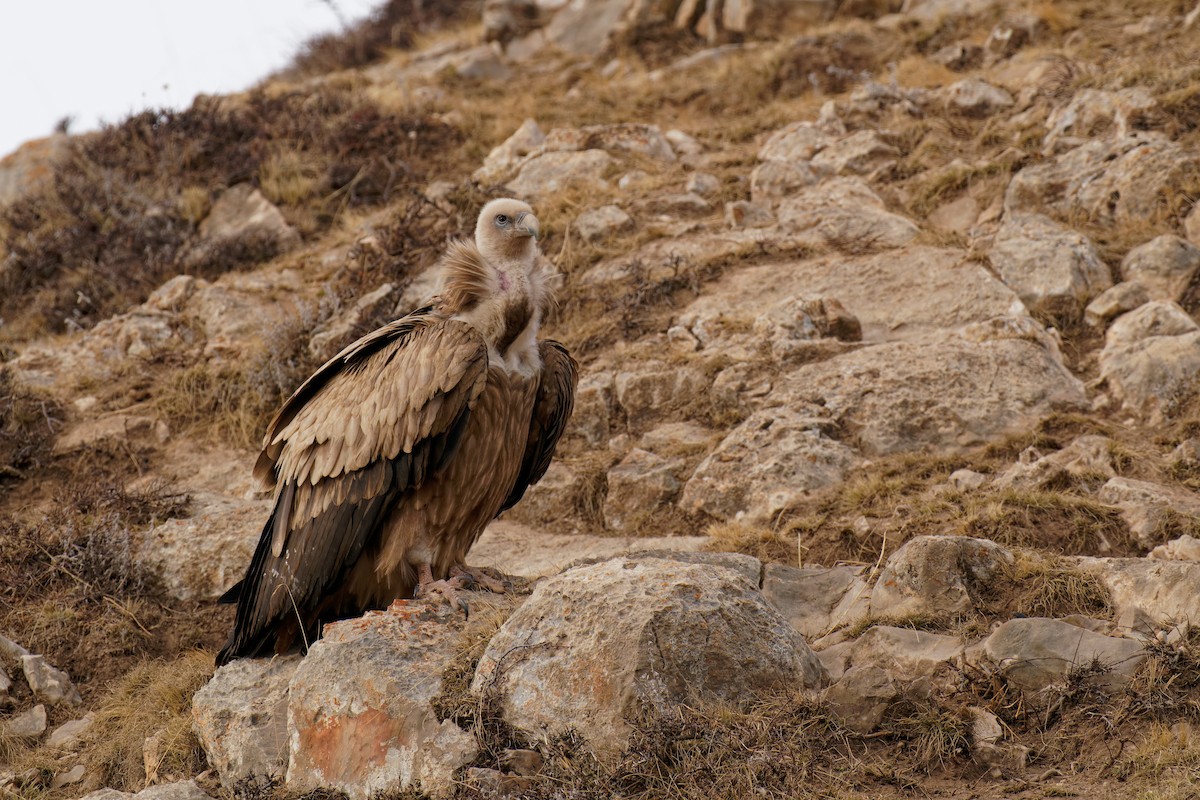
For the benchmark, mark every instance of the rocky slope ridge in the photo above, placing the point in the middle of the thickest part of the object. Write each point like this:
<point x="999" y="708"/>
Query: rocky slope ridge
<point x="900" y="302"/>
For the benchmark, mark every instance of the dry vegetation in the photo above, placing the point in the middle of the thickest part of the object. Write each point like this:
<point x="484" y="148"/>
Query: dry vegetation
<point x="339" y="156"/>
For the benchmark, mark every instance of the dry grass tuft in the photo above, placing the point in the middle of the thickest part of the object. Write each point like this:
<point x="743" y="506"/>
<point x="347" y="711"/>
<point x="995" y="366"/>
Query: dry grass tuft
<point x="1047" y="586"/>
<point x="123" y="206"/>
<point x="155" y="698"/>
<point x="28" y="422"/>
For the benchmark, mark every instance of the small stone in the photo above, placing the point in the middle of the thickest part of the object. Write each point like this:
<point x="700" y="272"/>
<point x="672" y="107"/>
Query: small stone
<point x="745" y="214"/>
<point x="638" y="486"/>
<point x="937" y="575"/>
<point x="688" y="204"/>
<point x="633" y="180"/>
<point x="682" y="339"/>
<point x="967" y="480"/>
<point x="683" y="144"/>
<point x="1115" y="301"/>
<point x="862" y="696"/>
<point x="68" y="735"/>
<point x="49" y="684"/>
<point x="703" y="183"/>
<point x="522" y="762"/>
<point x="985" y="726"/>
<point x="30" y="724"/>
<point x="977" y="97"/>
<point x="600" y="223"/>
<point x="72" y="776"/>
<point x="1034" y="652"/>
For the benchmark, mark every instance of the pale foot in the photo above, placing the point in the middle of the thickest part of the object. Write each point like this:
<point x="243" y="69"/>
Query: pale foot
<point x="443" y="591"/>
<point x="476" y="578"/>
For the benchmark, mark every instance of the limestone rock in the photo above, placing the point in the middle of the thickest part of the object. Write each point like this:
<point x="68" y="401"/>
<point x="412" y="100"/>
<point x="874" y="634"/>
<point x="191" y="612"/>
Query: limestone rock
<point x="745" y="214"/>
<point x="938" y="576"/>
<point x="30" y="166"/>
<point x="1156" y="318"/>
<point x="862" y="696"/>
<point x="600" y="223"/>
<point x="509" y="153"/>
<point x="554" y="172"/>
<point x="842" y="212"/>
<point x="29" y="724"/>
<point x="1055" y="271"/>
<point x="816" y="599"/>
<point x="860" y="153"/>
<point x="1165" y="265"/>
<point x="180" y="790"/>
<point x="49" y="684"/>
<point x="1120" y="180"/>
<point x="1184" y="548"/>
<point x="1034" y="652"/>
<point x="360" y="714"/>
<point x="240" y="718"/>
<point x="199" y="557"/>
<point x="1150" y="359"/>
<point x="687" y="204"/>
<point x="901" y="294"/>
<point x="640" y="485"/>
<point x="956" y="216"/>
<point x="1086" y="458"/>
<point x="651" y="391"/>
<point x="766" y="465"/>
<point x="120" y="428"/>
<point x="1094" y="113"/>
<point x="107" y="794"/>
<point x="947" y="390"/>
<point x="623" y="138"/>
<point x="340" y="330"/>
<point x="1148" y="507"/>
<point x="635" y="636"/>
<point x="69" y="777"/>
<point x="515" y="549"/>
<point x="242" y="218"/>
<point x="1148" y="593"/>
<point x="595" y="397"/>
<point x="703" y="183"/>
<point x="905" y="653"/>
<point x="1115" y="301"/>
<point x="679" y="437"/>
<point x="69" y="735"/>
<point x="977" y="98"/>
<point x="774" y="179"/>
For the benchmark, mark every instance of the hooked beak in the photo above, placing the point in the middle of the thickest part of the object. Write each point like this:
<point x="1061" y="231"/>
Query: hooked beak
<point x="527" y="224"/>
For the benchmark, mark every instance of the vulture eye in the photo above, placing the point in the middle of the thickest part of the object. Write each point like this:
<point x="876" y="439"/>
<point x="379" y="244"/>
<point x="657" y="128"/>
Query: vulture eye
<point x="501" y="220"/>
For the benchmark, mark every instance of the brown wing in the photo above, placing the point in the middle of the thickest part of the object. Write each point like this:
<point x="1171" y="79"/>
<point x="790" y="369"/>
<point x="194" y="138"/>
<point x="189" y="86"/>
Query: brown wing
<point x="368" y="426"/>
<point x="551" y="409"/>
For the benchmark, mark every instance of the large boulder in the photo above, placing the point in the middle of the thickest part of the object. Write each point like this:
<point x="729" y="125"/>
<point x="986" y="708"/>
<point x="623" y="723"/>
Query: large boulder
<point x="1055" y="271"/>
<point x="360" y="706"/>
<point x="550" y="173"/>
<point x="1153" y="511"/>
<point x="602" y="644"/>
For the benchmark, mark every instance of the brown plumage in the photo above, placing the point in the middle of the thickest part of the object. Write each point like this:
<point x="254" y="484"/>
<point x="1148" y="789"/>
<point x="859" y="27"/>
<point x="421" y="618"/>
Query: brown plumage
<point x="390" y="460"/>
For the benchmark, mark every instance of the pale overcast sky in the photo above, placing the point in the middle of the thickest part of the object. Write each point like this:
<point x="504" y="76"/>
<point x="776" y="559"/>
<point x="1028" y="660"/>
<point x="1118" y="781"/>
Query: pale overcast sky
<point x="100" y="60"/>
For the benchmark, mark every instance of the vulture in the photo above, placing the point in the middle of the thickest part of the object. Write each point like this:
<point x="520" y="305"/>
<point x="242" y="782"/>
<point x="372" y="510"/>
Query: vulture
<point x="391" y="459"/>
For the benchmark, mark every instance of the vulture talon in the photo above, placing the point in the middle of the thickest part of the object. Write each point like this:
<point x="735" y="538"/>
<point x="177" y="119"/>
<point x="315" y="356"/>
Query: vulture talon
<point x="476" y="578"/>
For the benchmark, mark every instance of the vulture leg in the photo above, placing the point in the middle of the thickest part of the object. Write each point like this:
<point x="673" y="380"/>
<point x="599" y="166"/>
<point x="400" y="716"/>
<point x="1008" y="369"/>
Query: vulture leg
<point x="475" y="577"/>
<point x="444" y="591"/>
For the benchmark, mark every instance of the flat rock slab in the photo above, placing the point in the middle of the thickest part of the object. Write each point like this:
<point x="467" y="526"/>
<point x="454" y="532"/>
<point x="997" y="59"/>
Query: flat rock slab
<point x="1035" y="652"/>
<point x="516" y="549"/>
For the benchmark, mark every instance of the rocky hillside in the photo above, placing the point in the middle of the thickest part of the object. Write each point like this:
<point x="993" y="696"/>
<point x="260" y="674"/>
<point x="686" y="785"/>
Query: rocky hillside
<point x="884" y="474"/>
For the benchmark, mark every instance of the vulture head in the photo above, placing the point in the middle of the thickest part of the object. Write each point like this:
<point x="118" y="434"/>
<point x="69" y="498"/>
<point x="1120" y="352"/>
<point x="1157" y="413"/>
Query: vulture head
<point x="506" y="231"/>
